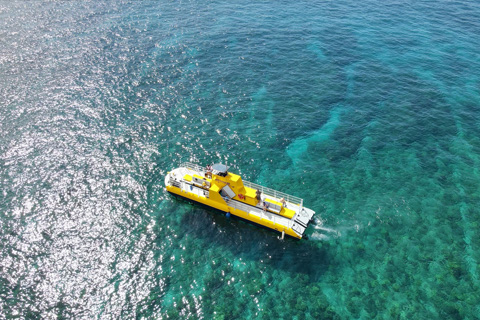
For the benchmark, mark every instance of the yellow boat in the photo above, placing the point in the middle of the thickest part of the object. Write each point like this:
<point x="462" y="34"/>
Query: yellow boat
<point x="218" y="188"/>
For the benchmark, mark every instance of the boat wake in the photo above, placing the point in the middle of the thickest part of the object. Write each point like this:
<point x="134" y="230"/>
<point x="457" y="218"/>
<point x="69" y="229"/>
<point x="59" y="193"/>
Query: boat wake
<point x="318" y="236"/>
<point x="326" y="234"/>
<point x="329" y="230"/>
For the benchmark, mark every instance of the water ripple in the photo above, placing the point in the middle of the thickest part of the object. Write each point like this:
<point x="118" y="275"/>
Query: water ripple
<point x="368" y="111"/>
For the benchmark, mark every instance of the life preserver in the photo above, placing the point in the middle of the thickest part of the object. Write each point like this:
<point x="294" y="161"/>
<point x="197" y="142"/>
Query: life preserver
<point x="241" y="196"/>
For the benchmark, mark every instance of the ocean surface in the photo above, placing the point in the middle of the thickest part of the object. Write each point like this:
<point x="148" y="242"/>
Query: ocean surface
<point x="368" y="110"/>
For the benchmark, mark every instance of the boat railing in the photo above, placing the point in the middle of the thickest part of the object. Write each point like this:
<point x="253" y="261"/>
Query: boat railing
<point x="266" y="191"/>
<point x="262" y="214"/>
<point x="239" y="205"/>
<point x="193" y="166"/>
<point x="274" y="193"/>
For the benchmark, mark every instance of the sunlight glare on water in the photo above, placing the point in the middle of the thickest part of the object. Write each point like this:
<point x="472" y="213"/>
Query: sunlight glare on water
<point x="368" y="111"/>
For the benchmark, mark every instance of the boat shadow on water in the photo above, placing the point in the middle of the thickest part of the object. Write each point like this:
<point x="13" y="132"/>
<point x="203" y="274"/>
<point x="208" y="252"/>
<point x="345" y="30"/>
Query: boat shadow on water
<point x="252" y="242"/>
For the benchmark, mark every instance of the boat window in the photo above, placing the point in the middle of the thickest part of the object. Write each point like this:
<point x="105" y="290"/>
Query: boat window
<point x="227" y="191"/>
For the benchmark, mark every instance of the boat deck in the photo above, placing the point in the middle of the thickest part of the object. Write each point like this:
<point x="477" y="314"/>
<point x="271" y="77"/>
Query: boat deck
<point x="298" y="223"/>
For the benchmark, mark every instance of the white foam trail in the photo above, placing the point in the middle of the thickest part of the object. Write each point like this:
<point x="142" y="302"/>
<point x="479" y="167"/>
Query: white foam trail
<point x="327" y="229"/>
<point x="319" y="226"/>
<point x="317" y="220"/>
<point x="319" y="236"/>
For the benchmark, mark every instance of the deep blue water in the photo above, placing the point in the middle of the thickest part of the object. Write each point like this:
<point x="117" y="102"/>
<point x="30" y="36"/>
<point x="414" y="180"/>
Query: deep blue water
<point x="368" y="110"/>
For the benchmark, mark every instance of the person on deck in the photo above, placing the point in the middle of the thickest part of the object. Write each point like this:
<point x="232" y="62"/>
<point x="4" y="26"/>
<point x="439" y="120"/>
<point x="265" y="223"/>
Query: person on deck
<point x="265" y="206"/>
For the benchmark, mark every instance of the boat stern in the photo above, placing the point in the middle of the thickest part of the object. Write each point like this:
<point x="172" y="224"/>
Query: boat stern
<point x="301" y="220"/>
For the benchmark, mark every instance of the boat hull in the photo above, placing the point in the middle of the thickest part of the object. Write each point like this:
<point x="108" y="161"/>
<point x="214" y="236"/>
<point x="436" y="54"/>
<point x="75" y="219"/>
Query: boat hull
<point x="233" y="211"/>
<point x="218" y="211"/>
<point x="227" y="192"/>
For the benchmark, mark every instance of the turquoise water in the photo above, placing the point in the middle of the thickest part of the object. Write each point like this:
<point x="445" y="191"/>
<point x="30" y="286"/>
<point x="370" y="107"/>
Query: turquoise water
<point x="369" y="111"/>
